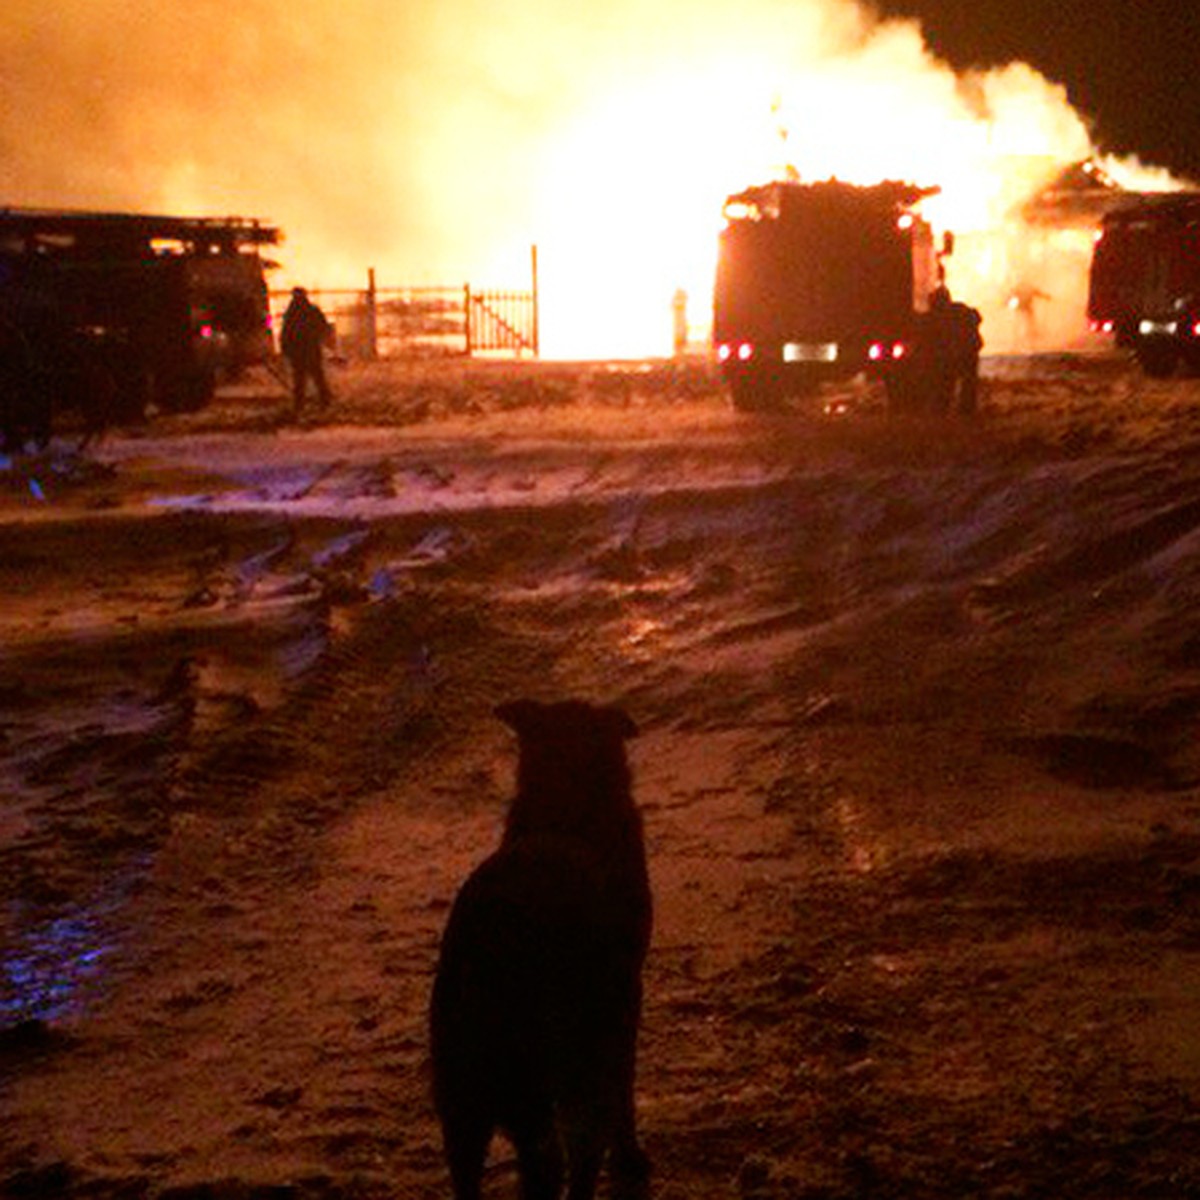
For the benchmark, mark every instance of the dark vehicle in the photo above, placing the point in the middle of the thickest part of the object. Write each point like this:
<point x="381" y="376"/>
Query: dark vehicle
<point x="819" y="282"/>
<point x="1144" y="286"/>
<point x="109" y="312"/>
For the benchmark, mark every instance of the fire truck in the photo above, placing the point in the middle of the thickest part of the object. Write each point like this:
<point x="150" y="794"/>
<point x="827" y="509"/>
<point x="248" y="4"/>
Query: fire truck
<point x="1144" y="286"/>
<point x="122" y="310"/>
<point x="819" y="282"/>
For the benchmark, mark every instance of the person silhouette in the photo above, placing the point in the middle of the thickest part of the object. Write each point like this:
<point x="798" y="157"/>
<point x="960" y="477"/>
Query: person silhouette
<point x="305" y="331"/>
<point x="1023" y="301"/>
<point x="954" y="346"/>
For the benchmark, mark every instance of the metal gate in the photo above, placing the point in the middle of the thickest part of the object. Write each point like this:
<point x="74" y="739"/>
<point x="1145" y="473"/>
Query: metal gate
<point x="403" y="322"/>
<point x="501" y="321"/>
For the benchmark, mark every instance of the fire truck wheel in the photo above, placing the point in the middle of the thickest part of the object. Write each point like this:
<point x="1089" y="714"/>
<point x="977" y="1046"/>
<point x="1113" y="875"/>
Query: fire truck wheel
<point x="753" y="394"/>
<point x="1157" y="358"/>
<point x="188" y="393"/>
<point x="903" y="395"/>
<point x="101" y="394"/>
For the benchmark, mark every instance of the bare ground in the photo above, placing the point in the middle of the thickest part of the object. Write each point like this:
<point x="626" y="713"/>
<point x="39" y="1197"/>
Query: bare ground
<point x="918" y="763"/>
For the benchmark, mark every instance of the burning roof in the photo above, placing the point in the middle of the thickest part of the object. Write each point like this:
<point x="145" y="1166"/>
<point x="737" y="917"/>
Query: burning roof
<point x="770" y="200"/>
<point x="1079" y="195"/>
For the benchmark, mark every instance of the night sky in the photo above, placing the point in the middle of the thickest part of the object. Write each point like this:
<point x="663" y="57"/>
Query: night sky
<point x="1131" y="66"/>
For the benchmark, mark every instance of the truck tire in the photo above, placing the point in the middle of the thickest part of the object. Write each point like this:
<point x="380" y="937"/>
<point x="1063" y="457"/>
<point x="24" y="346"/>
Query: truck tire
<point x="201" y="387"/>
<point x="186" y="393"/>
<point x="903" y="394"/>
<point x="1157" y="357"/>
<point x="755" y="394"/>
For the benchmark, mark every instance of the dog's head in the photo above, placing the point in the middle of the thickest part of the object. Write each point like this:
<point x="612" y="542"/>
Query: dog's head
<point x="570" y="749"/>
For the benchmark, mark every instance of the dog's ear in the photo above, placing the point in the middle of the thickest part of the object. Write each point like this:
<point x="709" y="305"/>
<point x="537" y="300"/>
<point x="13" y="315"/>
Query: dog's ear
<point x="620" y="722"/>
<point x="520" y="716"/>
<point x="530" y="718"/>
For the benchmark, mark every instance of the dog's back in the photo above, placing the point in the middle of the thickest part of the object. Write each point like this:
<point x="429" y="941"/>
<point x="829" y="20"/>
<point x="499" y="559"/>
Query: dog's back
<point x="538" y="991"/>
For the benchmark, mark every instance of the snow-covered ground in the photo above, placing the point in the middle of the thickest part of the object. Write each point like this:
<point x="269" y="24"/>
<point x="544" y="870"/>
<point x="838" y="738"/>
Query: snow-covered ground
<point x="918" y="763"/>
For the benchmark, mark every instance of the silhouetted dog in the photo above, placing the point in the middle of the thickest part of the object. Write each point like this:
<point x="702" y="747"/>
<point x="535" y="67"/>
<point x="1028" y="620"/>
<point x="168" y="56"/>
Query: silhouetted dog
<point x="538" y="991"/>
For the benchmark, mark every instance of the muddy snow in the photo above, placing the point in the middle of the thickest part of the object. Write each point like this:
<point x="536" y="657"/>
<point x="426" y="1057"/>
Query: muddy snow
<point x="918" y="705"/>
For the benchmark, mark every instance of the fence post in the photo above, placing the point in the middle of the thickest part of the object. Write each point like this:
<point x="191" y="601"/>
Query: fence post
<point x="679" y="322"/>
<point x="533" y="257"/>
<point x="371" y="319"/>
<point x="467" y="317"/>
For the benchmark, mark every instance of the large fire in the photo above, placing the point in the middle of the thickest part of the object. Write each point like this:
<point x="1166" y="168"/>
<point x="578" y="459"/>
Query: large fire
<point x="436" y="143"/>
<point x="634" y="195"/>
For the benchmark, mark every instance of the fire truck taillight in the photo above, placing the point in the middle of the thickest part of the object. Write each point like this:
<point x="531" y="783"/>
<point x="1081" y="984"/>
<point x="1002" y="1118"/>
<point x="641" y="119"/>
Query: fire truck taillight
<point x="206" y="332"/>
<point x="899" y="350"/>
<point x="745" y="352"/>
<point x="875" y="353"/>
<point x="1196" y="329"/>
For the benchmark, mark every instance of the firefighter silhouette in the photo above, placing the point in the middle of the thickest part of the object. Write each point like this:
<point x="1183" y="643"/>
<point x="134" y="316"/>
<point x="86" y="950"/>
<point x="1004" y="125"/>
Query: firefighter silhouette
<point x="306" y="329"/>
<point x="1022" y="302"/>
<point x="951" y="354"/>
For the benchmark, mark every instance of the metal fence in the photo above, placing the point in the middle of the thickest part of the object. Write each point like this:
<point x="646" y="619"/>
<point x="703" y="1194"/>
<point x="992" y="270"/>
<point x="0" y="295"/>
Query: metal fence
<point x="501" y="321"/>
<point x="425" y="322"/>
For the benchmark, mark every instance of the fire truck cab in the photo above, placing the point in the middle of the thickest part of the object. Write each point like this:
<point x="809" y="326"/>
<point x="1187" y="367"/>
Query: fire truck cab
<point x="1144" y="286"/>
<point x="818" y="282"/>
<point x="142" y="309"/>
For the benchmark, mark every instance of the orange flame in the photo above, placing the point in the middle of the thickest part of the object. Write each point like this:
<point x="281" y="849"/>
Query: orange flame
<point x="436" y="142"/>
<point x="635" y="189"/>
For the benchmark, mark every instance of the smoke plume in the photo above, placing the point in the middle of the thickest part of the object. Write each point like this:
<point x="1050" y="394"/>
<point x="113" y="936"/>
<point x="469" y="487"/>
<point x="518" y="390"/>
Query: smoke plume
<point x="436" y="141"/>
